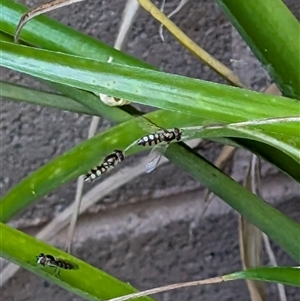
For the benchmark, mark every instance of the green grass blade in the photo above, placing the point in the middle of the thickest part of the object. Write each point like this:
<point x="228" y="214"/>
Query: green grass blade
<point x="284" y="275"/>
<point x="19" y="93"/>
<point x="87" y="154"/>
<point x="286" y="163"/>
<point x="11" y="14"/>
<point x="59" y="37"/>
<point x="170" y="92"/>
<point x="87" y="282"/>
<point x="211" y="100"/>
<point x="10" y="17"/>
<point x="273" y="33"/>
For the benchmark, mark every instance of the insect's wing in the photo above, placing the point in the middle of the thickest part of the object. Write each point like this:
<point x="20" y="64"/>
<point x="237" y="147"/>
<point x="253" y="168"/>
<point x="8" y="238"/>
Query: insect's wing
<point x="155" y="156"/>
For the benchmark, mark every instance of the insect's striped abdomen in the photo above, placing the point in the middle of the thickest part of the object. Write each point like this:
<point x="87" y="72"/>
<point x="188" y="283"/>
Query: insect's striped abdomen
<point x="64" y="264"/>
<point x="109" y="162"/>
<point x="159" y="137"/>
<point x="150" y="139"/>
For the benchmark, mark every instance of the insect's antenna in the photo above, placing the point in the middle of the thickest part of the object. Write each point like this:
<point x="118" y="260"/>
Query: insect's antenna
<point x="129" y="146"/>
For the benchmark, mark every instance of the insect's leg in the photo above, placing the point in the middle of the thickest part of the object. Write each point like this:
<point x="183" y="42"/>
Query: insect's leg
<point x="57" y="272"/>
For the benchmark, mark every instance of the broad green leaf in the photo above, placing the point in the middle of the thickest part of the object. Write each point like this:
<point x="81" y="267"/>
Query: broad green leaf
<point x="57" y="101"/>
<point x="284" y="275"/>
<point x="273" y="33"/>
<point x="5" y="37"/>
<point x="85" y="105"/>
<point x="87" y="282"/>
<point x="76" y="162"/>
<point x="283" y="161"/>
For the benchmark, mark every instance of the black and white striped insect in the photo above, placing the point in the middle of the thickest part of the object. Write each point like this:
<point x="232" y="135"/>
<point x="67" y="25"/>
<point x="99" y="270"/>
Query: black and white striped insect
<point x="165" y="136"/>
<point x="161" y="139"/>
<point x="55" y="262"/>
<point x="109" y="163"/>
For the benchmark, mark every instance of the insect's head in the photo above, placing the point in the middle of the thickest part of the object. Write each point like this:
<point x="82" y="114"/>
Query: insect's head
<point x="41" y="259"/>
<point x="177" y="133"/>
<point x="119" y="155"/>
<point x="44" y="259"/>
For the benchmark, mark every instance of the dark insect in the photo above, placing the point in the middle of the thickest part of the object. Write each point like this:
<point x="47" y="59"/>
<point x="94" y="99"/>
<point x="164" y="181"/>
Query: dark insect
<point x="55" y="262"/>
<point x="109" y="163"/>
<point x="162" y="140"/>
<point x="166" y="136"/>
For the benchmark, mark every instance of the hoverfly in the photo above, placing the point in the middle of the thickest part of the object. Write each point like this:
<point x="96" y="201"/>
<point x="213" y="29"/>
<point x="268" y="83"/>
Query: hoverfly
<point x="109" y="163"/>
<point x="160" y="137"/>
<point x="166" y="136"/>
<point x="55" y="262"/>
